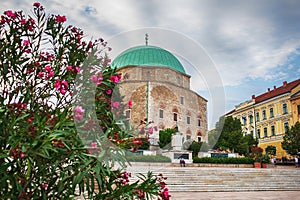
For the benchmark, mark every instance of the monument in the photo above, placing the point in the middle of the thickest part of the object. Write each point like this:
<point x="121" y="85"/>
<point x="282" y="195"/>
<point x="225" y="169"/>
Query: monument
<point x="177" y="152"/>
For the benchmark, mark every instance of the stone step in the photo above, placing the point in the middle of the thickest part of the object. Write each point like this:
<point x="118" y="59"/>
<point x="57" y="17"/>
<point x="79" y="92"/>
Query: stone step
<point x="197" y="179"/>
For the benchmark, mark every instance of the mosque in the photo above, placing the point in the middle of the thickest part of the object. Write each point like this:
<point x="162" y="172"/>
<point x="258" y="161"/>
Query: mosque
<point x="159" y="87"/>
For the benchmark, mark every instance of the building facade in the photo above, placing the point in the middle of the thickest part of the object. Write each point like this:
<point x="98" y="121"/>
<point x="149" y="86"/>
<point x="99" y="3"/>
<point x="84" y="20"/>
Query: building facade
<point x="268" y="115"/>
<point x="157" y="84"/>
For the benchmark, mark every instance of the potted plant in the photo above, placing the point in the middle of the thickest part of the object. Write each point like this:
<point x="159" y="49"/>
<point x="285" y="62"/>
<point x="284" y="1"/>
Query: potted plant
<point x="265" y="159"/>
<point x="256" y="154"/>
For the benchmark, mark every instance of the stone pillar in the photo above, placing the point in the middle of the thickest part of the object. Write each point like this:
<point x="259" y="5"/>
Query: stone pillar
<point x="177" y="141"/>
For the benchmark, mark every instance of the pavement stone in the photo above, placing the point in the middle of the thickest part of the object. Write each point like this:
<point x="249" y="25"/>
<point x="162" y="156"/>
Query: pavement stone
<point x="256" y="195"/>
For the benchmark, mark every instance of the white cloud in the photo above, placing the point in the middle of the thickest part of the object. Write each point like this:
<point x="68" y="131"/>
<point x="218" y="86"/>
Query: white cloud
<point x="246" y="40"/>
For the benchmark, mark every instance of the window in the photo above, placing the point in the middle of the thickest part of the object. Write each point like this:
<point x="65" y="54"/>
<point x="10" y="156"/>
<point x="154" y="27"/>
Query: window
<point x="199" y="139"/>
<point x="250" y="119"/>
<point x="265" y="132"/>
<point x="178" y="80"/>
<point x="161" y="113"/>
<point x="273" y="130"/>
<point x="199" y="122"/>
<point x="188" y="120"/>
<point x="244" y="121"/>
<point x="188" y="137"/>
<point x="175" y="117"/>
<point x="148" y="75"/>
<point x="264" y="114"/>
<point x="298" y="109"/>
<point x="284" y="108"/>
<point x="182" y="100"/>
<point x="271" y="113"/>
<point x="257" y="117"/>
<point x="127" y="114"/>
<point x="258" y="133"/>
<point x="286" y="127"/>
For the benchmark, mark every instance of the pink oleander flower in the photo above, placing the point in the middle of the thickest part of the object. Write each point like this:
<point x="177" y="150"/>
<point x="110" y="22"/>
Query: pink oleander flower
<point x="100" y="79"/>
<point x="62" y="91"/>
<point x="51" y="74"/>
<point x="78" y="113"/>
<point x="26" y="42"/>
<point x="114" y="79"/>
<point x="79" y="110"/>
<point x="41" y="74"/>
<point x="69" y="67"/>
<point x="36" y="4"/>
<point x="57" y="84"/>
<point x="60" y="19"/>
<point x="23" y="21"/>
<point x="94" y="78"/>
<point x="45" y="186"/>
<point x="77" y="69"/>
<point x="129" y="103"/>
<point x="108" y="92"/>
<point x="116" y="104"/>
<point x="94" y="144"/>
<point x="150" y="130"/>
<point x="137" y="141"/>
<point x="48" y="68"/>
<point x="10" y="13"/>
<point x="65" y="83"/>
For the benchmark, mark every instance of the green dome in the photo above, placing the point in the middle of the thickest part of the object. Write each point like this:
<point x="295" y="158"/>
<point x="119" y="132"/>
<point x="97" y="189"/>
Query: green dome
<point x="147" y="56"/>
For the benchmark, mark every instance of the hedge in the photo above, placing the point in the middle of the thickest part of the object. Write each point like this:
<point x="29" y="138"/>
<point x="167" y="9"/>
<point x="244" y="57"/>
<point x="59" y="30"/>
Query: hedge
<point x="244" y="160"/>
<point x="148" y="158"/>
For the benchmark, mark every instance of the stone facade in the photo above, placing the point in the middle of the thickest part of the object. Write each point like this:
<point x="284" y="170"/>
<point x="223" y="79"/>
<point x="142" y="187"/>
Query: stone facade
<point x="163" y="95"/>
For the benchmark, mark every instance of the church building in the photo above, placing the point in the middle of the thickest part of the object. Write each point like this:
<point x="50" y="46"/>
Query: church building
<point x="159" y="88"/>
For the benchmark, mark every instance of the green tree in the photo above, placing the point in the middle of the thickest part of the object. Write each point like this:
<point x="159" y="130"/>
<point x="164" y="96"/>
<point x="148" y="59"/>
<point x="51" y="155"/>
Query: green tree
<point x="247" y="142"/>
<point x="213" y="136"/>
<point x="231" y="135"/>
<point x="271" y="150"/>
<point x="291" y="140"/>
<point x="195" y="148"/>
<point x="165" y="138"/>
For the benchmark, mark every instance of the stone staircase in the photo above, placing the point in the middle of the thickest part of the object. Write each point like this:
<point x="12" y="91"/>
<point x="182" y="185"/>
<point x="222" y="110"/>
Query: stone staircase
<point x="204" y="179"/>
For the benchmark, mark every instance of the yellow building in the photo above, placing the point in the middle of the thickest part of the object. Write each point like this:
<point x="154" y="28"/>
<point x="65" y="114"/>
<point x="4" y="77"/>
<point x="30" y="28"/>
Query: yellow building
<point x="268" y="115"/>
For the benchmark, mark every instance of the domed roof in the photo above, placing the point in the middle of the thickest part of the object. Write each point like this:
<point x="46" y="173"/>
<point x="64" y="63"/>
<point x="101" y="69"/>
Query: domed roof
<point x="147" y="56"/>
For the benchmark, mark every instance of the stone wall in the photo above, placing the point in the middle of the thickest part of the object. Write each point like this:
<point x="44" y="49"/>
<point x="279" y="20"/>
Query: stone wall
<point x="164" y="89"/>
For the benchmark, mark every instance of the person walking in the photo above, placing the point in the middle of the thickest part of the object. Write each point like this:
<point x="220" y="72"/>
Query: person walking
<point x="296" y="161"/>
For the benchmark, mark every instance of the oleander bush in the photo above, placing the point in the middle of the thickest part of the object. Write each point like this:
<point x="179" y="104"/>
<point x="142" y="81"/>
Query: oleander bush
<point x="59" y="137"/>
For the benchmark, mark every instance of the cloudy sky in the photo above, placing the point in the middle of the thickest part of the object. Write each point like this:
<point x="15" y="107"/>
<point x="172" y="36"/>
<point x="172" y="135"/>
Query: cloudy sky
<point x="232" y="48"/>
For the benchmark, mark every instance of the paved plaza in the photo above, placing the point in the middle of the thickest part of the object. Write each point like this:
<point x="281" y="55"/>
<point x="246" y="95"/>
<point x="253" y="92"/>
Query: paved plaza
<point x="258" y="195"/>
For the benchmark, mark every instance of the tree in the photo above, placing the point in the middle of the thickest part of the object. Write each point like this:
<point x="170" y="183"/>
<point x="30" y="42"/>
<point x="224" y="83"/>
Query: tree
<point x="195" y="148"/>
<point x="231" y="135"/>
<point x="291" y="140"/>
<point x="213" y="136"/>
<point x="51" y="146"/>
<point x="165" y="138"/>
<point x="271" y="150"/>
<point x="247" y="142"/>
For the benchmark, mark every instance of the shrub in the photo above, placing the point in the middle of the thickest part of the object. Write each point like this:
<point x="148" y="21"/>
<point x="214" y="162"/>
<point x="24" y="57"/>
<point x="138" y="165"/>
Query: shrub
<point x="244" y="160"/>
<point x="148" y="158"/>
<point x="165" y="138"/>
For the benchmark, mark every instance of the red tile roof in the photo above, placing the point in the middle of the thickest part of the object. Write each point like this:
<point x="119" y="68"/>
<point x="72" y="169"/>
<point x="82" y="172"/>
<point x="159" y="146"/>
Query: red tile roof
<point x="286" y="87"/>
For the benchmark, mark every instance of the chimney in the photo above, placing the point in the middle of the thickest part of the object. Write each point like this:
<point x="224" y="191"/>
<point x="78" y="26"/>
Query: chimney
<point x="274" y="87"/>
<point x="253" y="96"/>
<point x="284" y="83"/>
<point x="269" y="90"/>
